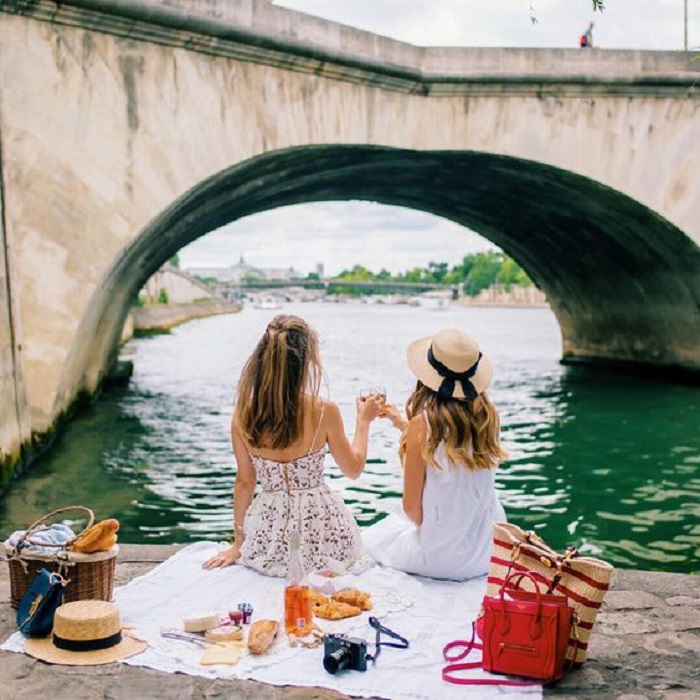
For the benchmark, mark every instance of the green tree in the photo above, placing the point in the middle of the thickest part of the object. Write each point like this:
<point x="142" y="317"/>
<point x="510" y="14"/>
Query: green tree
<point x="163" y="297"/>
<point x="436" y="271"/>
<point x="512" y="274"/>
<point x="483" y="272"/>
<point x="175" y="261"/>
<point x="359" y="273"/>
<point x="313" y="276"/>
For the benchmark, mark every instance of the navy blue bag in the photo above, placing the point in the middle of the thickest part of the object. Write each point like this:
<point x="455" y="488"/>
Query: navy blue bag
<point x="36" y="610"/>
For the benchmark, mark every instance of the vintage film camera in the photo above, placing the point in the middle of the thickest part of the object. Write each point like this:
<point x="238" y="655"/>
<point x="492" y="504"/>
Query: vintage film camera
<point x="341" y="652"/>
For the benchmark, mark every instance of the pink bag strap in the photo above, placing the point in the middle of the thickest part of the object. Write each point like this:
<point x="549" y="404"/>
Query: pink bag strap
<point x="467" y="646"/>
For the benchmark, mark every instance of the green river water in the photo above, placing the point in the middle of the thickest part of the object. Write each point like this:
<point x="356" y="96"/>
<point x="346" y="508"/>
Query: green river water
<point x="599" y="459"/>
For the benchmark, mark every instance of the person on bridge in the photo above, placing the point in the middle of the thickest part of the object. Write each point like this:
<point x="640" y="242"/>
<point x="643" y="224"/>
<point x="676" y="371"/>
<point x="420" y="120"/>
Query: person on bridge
<point x="586" y="40"/>
<point x="450" y="449"/>
<point x="280" y="432"/>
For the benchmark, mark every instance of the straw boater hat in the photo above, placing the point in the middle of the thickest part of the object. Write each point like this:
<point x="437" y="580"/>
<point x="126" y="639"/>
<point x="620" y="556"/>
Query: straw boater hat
<point x="85" y="633"/>
<point x="451" y="364"/>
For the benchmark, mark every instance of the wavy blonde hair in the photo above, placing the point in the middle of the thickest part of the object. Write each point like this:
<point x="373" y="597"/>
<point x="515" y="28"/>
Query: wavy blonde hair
<point x="283" y="370"/>
<point x="469" y="429"/>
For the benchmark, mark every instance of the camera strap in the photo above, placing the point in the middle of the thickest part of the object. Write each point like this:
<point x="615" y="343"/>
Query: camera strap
<point x="402" y="642"/>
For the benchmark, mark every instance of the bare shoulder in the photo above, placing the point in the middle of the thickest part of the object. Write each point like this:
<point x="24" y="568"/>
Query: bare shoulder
<point x="329" y="408"/>
<point x="323" y="409"/>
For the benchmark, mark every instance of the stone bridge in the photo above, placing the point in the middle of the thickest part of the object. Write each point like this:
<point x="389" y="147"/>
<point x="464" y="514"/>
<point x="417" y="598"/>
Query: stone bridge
<point x="129" y="128"/>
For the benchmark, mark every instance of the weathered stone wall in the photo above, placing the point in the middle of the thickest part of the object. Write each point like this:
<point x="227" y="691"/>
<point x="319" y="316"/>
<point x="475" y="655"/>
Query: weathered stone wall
<point x="129" y="132"/>
<point x="180" y="287"/>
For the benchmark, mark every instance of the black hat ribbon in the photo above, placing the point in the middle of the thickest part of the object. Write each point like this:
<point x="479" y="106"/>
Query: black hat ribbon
<point x="449" y="378"/>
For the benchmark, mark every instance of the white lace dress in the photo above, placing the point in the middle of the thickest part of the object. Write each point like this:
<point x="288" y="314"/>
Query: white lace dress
<point x="295" y="496"/>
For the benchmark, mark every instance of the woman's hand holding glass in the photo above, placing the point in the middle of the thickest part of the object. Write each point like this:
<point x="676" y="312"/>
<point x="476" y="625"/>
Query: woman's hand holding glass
<point x="369" y="405"/>
<point x="393" y="413"/>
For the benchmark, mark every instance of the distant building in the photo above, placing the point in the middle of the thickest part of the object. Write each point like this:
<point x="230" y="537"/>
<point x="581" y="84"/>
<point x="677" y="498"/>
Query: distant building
<point x="242" y="270"/>
<point x="320" y="270"/>
<point x="207" y="273"/>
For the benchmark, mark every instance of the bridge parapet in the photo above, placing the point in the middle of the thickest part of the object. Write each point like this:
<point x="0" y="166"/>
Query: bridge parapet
<point x="254" y="31"/>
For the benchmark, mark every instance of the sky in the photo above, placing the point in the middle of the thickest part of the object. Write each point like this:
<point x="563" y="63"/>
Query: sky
<point x="342" y="234"/>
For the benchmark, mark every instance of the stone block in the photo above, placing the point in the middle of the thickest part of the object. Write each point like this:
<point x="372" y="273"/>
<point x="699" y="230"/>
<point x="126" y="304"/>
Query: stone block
<point x="683" y="600"/>
<point x="679" y="644"/>
<point x="620" y="623"/>
<point x="630" y="600"/>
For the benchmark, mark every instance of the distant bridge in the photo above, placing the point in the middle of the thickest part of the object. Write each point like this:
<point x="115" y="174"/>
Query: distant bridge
<point x="333" y="284"/>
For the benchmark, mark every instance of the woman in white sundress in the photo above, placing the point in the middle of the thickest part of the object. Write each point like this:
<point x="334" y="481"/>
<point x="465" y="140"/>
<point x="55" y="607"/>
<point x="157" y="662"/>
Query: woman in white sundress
<point x="450" y="449"/>
<point x="280" y="432"/>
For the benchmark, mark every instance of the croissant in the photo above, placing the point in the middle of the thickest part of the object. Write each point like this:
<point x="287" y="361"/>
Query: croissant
<point x="101" y="537"/>
<point x="317" y="598"/>
<point x="336" y="611"/>
<point x="262" y="634"/>
<point x="354" y="597"/>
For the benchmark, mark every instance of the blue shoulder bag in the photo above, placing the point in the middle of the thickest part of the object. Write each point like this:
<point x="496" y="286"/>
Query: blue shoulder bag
<point x="36" y="609"/>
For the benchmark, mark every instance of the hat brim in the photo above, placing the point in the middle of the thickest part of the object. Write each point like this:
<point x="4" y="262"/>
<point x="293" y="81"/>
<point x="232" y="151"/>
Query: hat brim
<point x="45" y="650"/>
<point x="417" y="355"/>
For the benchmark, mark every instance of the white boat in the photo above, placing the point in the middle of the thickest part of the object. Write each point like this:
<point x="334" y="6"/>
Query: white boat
<point x="432" y="300"/>
<point x="268" y="303"/>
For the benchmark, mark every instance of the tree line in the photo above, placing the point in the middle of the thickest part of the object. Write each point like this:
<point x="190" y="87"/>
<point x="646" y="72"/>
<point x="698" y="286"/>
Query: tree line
<point x="476" y="272"/>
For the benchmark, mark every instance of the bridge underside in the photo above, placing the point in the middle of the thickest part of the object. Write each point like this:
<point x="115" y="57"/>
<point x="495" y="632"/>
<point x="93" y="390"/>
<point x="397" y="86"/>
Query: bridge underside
<point x="622" y="281"/>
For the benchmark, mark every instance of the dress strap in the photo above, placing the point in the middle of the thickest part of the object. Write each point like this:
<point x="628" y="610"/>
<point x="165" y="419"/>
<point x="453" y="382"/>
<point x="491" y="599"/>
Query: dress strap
<point x="318" y="427"/>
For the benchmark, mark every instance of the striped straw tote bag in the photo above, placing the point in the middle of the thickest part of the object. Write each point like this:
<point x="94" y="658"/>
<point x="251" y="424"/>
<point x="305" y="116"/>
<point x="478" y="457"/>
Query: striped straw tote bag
<point x="583" y="580"/>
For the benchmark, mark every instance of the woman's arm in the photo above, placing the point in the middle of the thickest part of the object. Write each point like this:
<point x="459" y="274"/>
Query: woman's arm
<point x="244" y="488"/>
<point x="394" y="415"/>
<point x="351" y="457"/>
<point x="414" y="470"/>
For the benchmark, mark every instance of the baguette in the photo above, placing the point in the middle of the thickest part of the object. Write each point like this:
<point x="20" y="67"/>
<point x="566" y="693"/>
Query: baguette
<point x="261" y="635"/>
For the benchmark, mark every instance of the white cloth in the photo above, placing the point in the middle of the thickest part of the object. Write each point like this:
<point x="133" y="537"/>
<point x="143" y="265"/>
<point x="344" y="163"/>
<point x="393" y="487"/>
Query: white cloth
<point x="428" y="613"/>
<point x="454" y="541"/>
<point x="57" y="533"/>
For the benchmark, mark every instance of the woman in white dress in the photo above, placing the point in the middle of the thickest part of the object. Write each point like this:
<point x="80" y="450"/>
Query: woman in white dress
<point x="280" y="432"/>
<point x="450" y="450"/>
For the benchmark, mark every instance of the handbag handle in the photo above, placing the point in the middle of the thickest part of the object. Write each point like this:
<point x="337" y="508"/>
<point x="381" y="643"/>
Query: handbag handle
<point x="535" y="625"/>
<point x="25" y="537"/>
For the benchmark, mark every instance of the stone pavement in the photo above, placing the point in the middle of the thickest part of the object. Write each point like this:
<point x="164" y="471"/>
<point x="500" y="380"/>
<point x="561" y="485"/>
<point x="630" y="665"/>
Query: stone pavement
<point x="646" y="645"/>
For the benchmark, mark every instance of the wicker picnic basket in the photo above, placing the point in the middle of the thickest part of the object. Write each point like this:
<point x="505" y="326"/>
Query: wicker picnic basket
<point x="90" y="576"/>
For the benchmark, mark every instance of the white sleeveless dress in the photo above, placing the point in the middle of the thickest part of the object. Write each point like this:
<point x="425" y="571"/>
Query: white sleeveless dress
<point x="295" y="496"/>
<point x="460" y="506"/>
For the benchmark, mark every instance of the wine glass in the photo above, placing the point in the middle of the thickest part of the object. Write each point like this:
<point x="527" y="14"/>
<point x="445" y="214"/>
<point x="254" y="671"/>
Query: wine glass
<point x="381" y="390"/>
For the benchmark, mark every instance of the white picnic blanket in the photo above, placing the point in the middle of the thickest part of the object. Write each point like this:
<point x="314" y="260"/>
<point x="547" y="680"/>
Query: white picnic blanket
<point x="427" y="612"/>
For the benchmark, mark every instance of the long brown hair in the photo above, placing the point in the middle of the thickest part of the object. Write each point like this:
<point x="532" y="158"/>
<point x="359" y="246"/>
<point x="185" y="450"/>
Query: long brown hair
<point x="283" y="370"/>
<point x="469" y="429"/>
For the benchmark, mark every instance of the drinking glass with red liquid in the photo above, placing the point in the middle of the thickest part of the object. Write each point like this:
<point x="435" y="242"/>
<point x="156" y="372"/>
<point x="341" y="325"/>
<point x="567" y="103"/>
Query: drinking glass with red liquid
<point x="297" y="606"/>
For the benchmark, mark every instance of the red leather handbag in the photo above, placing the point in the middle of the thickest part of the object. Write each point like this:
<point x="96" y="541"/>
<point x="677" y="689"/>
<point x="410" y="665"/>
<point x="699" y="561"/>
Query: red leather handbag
<point x="526" y="634"/>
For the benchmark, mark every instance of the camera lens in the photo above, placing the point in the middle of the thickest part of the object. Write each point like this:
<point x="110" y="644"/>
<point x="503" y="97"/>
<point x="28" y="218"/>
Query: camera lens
<point x="336" y="660"/>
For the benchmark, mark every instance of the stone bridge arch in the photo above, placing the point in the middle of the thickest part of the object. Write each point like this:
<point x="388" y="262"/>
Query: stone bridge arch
<point x="622" y="281"/>
<point x="122" y="124"/>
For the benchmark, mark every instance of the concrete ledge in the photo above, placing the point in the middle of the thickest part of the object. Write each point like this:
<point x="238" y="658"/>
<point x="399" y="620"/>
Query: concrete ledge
<point x="163" y="317"/>
<point x="646" y="645"/>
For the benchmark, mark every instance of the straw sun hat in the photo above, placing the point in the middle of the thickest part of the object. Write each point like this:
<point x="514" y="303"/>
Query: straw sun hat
<point x="451" y="364"/>
<point x="85" y="633"/>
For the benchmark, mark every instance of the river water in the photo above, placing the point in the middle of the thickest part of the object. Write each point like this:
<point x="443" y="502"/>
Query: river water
<point x="598" y="459"/>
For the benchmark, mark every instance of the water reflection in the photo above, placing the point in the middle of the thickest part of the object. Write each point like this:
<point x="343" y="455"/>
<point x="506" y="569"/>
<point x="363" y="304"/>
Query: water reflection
<point x="613" y="461"/>
<point x="596" y="458"/>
